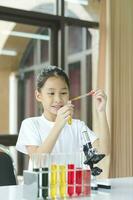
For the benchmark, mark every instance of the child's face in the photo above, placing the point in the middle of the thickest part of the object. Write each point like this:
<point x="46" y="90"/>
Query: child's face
<point x="54" y="95"/>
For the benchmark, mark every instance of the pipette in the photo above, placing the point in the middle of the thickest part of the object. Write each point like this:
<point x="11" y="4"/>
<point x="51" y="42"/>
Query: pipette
<point x="77" y="98"/>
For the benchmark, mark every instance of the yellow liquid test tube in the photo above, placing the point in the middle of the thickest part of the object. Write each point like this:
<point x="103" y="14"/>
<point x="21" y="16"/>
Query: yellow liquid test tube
<point x="62" y="181"/>
<point x="53" y="181"/>
<point x="69" y="121"/>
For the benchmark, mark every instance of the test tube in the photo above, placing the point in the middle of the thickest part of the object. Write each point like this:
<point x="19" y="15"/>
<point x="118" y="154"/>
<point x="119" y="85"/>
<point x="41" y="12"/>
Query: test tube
<point x="70" y="180"/>
<point x="45" y="174"/>
<point x="36" y="168"/>
<point x="78" y="181"/>
<point x="45" y="182"/>
<point x="69" y="120"/>
<point x="86" y="182"/>
<point x="62" y="180"/>
<point x="53" y="181"/>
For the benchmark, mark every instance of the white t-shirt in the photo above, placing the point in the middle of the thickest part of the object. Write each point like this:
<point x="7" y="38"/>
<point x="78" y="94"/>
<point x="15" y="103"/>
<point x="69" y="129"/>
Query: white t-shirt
<point x="35" y="130"/>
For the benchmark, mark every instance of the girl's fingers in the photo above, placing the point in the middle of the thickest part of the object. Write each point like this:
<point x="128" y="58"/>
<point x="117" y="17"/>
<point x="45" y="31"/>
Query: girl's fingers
<point x="67" y="114"/>
<point x="100" y="93"/>
<point x="66" y="108"/>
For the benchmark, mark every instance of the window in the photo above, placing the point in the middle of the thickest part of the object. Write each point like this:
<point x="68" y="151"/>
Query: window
<point x="46" y="32"/>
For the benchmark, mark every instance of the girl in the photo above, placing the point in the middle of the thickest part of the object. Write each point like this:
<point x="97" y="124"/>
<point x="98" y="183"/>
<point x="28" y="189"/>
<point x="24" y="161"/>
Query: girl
<point x="50" y="132"/>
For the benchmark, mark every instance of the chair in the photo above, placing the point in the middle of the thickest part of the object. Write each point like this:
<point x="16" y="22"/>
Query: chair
<point x="7" y="176"/>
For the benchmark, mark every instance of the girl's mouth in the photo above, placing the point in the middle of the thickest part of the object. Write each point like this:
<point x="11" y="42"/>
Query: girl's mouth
<point x="57" y="107"/>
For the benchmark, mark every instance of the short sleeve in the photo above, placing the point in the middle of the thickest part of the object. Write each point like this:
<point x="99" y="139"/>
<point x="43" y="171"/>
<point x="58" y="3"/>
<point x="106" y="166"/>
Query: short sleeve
<point x="28" y="135"/>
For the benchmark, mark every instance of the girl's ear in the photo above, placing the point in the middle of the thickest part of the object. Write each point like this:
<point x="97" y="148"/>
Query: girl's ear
<point x="38" y="96"/>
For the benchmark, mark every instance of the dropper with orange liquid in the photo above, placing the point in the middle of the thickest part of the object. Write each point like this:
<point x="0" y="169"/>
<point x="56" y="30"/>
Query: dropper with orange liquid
<point x="92" y="92"/>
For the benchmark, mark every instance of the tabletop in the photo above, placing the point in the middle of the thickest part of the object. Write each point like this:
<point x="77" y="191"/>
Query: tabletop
<point x="121" y="188"/>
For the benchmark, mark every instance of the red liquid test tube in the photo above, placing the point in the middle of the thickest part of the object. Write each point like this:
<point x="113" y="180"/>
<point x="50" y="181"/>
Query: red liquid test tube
<point x="87" y="182"/>
<point x="78" y="181"/>
<point x="70" y="179"/>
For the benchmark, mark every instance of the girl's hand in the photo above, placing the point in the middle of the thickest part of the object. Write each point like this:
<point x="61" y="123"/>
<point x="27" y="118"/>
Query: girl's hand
<point x="101" y="99"/>
<point x="64" y="113"/>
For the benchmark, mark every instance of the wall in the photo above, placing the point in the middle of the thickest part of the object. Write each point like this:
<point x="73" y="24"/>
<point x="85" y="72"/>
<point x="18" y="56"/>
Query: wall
<point x="122" y="87"/>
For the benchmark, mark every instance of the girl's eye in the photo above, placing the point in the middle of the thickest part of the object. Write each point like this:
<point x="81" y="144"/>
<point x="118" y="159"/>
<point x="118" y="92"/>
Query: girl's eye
<point x="51" y="93"/>
<point x="63" y="93"/>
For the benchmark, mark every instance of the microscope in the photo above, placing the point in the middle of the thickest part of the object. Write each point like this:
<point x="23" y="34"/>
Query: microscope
<point x="92" y="157"/>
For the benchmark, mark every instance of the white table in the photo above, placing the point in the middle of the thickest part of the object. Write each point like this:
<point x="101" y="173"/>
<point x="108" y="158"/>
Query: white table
<point x="122" y="188"/>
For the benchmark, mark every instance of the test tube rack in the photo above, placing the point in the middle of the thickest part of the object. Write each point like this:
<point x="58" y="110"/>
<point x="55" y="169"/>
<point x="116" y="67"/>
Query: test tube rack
<point x="59" y="180"/>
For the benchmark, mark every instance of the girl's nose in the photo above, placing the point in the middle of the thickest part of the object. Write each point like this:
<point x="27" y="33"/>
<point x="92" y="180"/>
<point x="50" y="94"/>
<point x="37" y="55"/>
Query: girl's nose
<point x="57" y="98"/>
